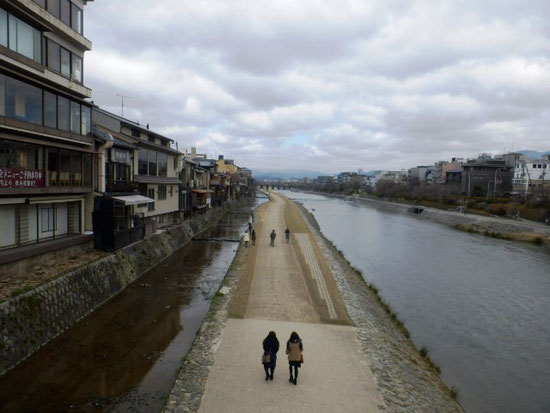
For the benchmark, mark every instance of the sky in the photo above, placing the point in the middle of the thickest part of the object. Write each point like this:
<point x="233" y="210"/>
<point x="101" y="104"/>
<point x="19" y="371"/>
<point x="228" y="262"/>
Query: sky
<point x="325" y="85"/>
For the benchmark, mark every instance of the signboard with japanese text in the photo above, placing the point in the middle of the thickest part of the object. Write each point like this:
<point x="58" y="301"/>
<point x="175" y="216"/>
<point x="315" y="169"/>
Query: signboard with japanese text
<point x="21" y="178"/>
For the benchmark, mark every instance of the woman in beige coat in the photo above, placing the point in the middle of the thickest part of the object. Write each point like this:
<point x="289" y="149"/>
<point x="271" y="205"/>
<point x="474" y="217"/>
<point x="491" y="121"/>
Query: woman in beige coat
<point x="294" y="348"/>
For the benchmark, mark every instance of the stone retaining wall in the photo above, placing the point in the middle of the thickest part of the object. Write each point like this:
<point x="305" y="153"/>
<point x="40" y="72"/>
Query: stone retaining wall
<point x="31" y="320"/>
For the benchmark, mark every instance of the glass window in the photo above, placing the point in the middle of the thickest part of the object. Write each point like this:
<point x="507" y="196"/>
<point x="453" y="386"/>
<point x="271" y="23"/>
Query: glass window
<point x="54" y="56"/>
<point x="77" y="68"/>
<point x="65" y="62"/>
<point x="3" y="81"/>
<point x="64" y="168"/>
<point x="76" y="18"/>
<point x="86" y="120"/>
<point x="63" y="113"/>
<point x="142" y="162"/>
<point x="163" y="164"/>
<point x="12" y="32"/>
<point x="23" y="102"/>
<point x="41" y="3"/>
<point x="50" y="110"/>
<point x="52" y="167"/>
<point x="3" y="28"/>
<point x="53" y="7"/>
<point x="75" y="117"/>
<point x="152" y="163"/>
<point x="66" y="12"/>
<point x="162" y="192"/>
<point x="76" y="169"/>
<point x="47" y="219"/>
<point x="24" y="39"/>
<point x="87" y="161"/>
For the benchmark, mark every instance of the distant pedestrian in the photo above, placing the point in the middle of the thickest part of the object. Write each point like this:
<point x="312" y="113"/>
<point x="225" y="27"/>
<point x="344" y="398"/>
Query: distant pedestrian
<point x="287" y="235"/>
<point x="269" y="360"/>
<point x="272" y="236"/>
<point x="246" y="238"/>
<point x="294" y="348"/>
<point x="253" y="237"/>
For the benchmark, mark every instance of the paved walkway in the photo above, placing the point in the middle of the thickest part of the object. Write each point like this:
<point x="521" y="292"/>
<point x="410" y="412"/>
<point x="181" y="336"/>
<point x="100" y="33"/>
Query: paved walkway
<point x="291" y="291"/>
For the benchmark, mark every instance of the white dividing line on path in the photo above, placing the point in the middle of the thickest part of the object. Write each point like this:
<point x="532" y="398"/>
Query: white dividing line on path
<point x="311" y="260"/>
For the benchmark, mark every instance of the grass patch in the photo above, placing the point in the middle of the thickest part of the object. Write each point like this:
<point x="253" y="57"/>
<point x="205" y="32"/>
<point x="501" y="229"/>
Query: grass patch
<point x="454" y="393"/>
<point x="424" y="353"/>
<point x="20" y="291"/>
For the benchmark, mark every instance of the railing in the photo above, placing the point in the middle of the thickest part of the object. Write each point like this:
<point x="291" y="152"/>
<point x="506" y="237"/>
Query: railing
<point x="122" y="186"/>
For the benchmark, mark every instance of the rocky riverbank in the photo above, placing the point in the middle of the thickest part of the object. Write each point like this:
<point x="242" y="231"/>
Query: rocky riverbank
<point x="496" y="227"/>
<point x="407" y="381"/>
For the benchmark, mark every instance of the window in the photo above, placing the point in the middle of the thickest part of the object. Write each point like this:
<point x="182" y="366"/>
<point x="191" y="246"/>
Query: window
<point x="53" y="7"/>
<point x="135" y="133"/>
<point x="66" y="12"/>
<point x="86" y="120"/>
<point x="151" y="194"/>
<point x="64" y="168"/>
<point x="142" y="162"/>
<point x="48" y="219"/>
<point x="75" y="117"/>
<point x="63" y="116"/>
<point x="162" y="192"/>
<point x="41" y="3"/>
<point x="171" y="191"/>
<point x="54" y="56"/>
<point x="65" y="62"/>
<point x="50" y="110"/>
<point x="162" y="164"/>
<point x="151" y="139"/>
<point x="23" y="101"/>
<point x="152" y="163"/>
<point x="76" y="18"/>
<point x="52" y="167"/>
<point x="76" y="169"/>
<point x="3" y="28"/>
<point x="76" y="71"/>
<point x="20" y="36"/>
<point x="87" y="171"/>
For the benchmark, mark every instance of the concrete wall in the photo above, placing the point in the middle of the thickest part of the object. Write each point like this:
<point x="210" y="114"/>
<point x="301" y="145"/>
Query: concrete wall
<point x="31" y="320"/>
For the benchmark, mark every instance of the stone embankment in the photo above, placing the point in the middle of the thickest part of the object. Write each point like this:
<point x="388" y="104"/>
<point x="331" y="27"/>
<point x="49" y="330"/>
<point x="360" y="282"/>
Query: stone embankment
<point x="31" y="320"/>
<point x="405" y="379"/>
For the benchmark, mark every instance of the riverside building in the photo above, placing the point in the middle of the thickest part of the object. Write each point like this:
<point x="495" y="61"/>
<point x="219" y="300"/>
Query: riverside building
<point x="46" y="146"/>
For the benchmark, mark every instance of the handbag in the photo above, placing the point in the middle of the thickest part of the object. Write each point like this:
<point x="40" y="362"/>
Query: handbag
<point x="266" y="358"/>
<point x="301" y="358"/>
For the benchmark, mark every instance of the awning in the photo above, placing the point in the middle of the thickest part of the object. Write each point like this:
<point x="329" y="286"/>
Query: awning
<point x="134" y="199"/>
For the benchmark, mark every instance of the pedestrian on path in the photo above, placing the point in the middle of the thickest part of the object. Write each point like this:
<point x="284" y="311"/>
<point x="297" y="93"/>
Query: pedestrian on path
<point x="246" y="238"/>
<point x="271" y="347"/>
<point x="272" y="236"/>
<point x="253" y="237"/>
<point x="287" y="235"/>
<point x="294" y="348"/>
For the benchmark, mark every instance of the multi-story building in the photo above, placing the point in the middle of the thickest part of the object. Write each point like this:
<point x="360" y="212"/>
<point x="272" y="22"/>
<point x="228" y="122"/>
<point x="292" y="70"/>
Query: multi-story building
<point x="46" y="147"/>
<point x="531" y="177"/>
<point x="485" y="176"/>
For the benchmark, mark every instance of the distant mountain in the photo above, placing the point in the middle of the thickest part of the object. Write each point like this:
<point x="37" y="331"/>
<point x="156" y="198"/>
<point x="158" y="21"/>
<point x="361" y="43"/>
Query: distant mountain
<point x="297" y="174"/>
<point x="533" y="154"/>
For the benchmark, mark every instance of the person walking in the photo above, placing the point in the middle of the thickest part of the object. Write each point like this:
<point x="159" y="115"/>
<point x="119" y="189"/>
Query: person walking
<point x="287" y="235"/>
<point x="294" y="348"/>
<point x="272" y="236"/>
<point x="253" y="237"/>
<point x="271" y="347"/>
<point x="246" y="238"/>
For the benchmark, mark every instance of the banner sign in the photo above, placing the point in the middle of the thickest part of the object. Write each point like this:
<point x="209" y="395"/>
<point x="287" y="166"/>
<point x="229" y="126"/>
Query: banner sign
<point x="21" y="178"/>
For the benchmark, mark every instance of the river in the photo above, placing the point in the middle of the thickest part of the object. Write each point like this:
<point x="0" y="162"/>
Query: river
<point x="479" y="304"/>
<point x="126" y="354"/>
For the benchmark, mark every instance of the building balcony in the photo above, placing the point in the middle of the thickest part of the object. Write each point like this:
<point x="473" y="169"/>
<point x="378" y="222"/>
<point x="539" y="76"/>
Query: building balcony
<point x="122" y="186"/>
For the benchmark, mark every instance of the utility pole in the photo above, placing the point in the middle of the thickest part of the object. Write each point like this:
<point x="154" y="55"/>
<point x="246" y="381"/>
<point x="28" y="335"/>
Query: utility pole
<point x="495" y="186"/>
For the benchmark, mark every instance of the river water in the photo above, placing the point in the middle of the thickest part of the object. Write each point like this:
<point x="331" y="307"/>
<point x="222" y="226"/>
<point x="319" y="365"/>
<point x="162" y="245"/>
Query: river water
<point x="125" y="355"/>
<point x="481" y="305"/>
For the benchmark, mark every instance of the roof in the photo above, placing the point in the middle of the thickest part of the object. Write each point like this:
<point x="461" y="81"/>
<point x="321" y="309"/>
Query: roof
<point x="134" y="199"/>
<point x="122" y="144"/>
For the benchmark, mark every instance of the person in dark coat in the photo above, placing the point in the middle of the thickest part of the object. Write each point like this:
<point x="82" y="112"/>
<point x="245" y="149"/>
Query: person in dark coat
<point x="253" y="237"/>
<point x="271" y="347"/>
<point x="272" y="237"/>
<point x="294" y="348"/>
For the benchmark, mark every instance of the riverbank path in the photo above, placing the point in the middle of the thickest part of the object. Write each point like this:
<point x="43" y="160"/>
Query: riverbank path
<point x="288" y="288"/>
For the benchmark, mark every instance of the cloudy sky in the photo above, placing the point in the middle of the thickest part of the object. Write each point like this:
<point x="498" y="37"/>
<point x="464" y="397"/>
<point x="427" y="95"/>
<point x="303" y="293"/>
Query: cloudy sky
<point x="327" y="85"/>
